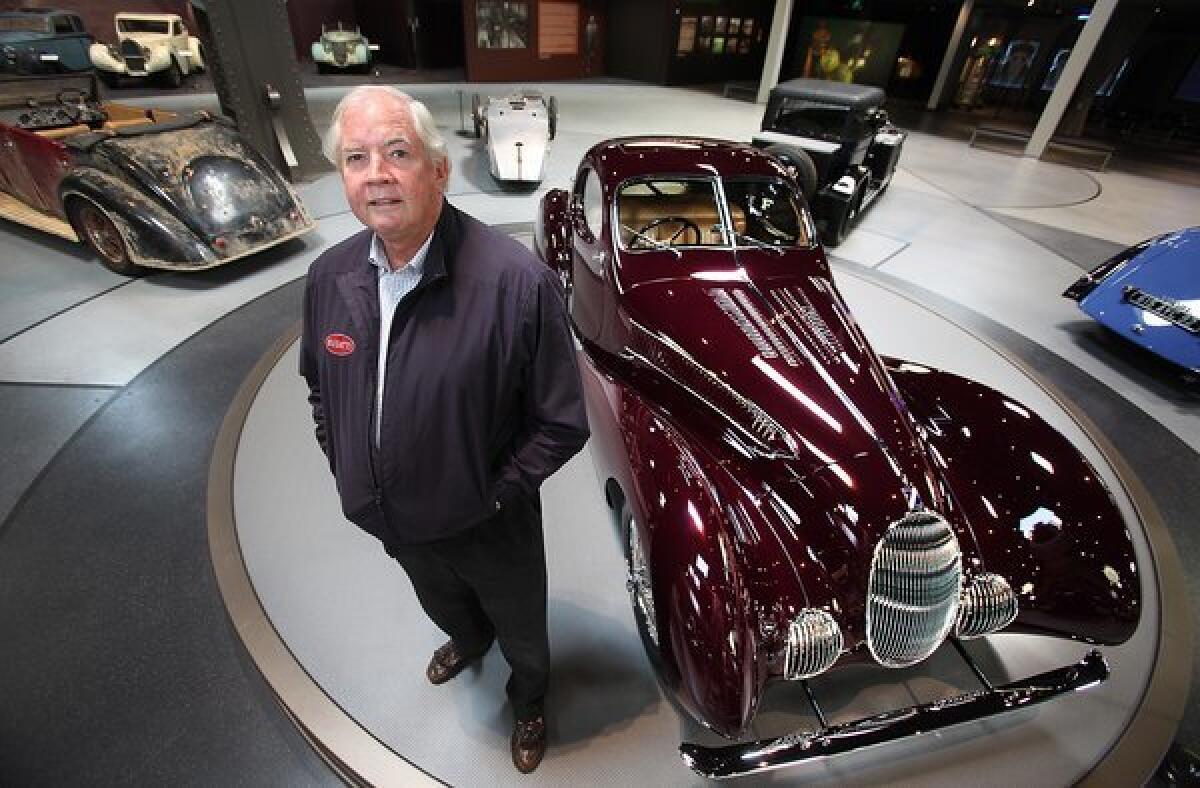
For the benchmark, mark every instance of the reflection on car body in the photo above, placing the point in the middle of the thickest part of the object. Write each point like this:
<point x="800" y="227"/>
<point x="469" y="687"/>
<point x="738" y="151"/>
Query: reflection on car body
<point x="789" y="501"/>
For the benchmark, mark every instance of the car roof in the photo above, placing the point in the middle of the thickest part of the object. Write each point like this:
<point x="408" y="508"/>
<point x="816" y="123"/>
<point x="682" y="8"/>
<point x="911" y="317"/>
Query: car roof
<point x="629" y="157"/>
<point x="140" y="15"/>
<point x="845" y="93"/>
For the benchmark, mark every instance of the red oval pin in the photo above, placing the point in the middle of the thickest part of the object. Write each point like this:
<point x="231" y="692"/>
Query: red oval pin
<point x="339" y="344"/>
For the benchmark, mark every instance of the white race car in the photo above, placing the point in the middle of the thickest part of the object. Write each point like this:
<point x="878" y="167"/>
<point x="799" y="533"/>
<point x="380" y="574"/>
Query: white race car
<point x="149" y="45"/>
<point x="518" y="129"/>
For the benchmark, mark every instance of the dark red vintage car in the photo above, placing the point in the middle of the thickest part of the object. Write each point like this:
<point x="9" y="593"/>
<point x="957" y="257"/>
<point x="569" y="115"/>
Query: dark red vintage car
<point x="789" y="500"/>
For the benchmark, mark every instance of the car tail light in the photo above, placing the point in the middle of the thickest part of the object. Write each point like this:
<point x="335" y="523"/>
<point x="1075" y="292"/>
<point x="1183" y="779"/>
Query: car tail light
<point x="988" y="605"/>
<point x="814" y="643"/>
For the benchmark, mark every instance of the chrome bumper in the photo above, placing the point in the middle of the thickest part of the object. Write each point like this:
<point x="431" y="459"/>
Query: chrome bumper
<point x="766" y="754"/>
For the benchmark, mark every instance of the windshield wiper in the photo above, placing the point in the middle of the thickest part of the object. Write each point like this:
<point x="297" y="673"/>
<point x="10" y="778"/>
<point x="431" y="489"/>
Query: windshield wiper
<point x="758" y="243"/>
<point x="657" y="244"/>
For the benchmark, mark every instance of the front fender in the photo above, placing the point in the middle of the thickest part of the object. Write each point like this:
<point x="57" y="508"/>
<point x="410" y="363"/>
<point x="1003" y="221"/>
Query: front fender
<point x="550" y="238"/>
<point x="707" y="643"/>
<point x="1042" y="517"/>
<point x="155" y="238"/>
<point x="101" y="59"/>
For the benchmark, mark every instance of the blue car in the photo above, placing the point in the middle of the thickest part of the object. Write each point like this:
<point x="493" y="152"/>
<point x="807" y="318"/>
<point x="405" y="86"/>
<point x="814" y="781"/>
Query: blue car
<point x="1150" y="295"/>
<point x="43" y="41"/>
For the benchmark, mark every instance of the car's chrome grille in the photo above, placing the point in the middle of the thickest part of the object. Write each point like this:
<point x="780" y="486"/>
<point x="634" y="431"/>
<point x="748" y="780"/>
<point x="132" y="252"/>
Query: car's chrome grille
<point x="913" y="590"/>
<point x="340" y="51"/>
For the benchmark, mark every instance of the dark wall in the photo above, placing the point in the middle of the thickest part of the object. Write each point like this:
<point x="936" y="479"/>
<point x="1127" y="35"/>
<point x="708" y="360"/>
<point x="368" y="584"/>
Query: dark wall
<point x="638" y="44"/>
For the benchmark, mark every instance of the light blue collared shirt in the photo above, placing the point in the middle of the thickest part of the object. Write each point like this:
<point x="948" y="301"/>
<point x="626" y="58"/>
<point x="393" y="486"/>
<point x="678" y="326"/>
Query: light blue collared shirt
<point x="393" y="286"/>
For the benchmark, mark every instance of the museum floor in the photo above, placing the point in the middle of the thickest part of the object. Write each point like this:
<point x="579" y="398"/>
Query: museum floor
<point x="120" y="660"/>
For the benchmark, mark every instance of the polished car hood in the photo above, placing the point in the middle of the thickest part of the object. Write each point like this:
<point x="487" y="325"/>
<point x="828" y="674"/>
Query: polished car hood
<point x="781" y="357"/>
<point x="517" y="140"/>
<point x="207" y="175"/>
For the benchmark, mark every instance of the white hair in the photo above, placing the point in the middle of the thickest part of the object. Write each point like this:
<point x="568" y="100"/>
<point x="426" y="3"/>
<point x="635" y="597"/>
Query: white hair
<point x="427" y="130"/>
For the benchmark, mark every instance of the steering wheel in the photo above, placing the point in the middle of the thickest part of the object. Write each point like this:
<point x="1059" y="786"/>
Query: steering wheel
<point x="685" y="225"/>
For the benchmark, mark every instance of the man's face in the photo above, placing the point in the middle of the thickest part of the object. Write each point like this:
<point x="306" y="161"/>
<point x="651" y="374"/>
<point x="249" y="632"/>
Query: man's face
<point x="391" y="183"/>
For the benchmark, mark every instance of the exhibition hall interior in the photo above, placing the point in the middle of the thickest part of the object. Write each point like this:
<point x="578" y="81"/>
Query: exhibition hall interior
<point x="886" y="315"/>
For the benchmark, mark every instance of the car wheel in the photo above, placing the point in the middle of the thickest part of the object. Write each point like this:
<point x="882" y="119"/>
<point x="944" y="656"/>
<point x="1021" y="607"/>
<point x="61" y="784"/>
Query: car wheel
<point x="637" y="582"/>
<point x="476" y="115"/>
<point x="801" y="167"/>
<point x="552" y="116"/>
<point x="100" y="233"/>
<point x="173" y="76"/>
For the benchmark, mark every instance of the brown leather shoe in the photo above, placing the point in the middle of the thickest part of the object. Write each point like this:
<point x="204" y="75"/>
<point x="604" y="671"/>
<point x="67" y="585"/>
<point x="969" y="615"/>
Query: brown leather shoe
<point x="447" y="662"/>
<point x="528" y="743"/>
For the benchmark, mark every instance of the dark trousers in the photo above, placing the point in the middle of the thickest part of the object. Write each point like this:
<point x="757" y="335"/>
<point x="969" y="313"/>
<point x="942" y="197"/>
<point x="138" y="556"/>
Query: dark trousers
<point x="490" y="581"/>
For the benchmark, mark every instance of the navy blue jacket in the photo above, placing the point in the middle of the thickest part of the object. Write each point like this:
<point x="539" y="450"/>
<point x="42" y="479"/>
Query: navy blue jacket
<point x="482" y="400"/>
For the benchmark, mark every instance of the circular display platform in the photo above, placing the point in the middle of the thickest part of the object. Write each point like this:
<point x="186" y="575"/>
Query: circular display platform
<point x="335" y="628"/>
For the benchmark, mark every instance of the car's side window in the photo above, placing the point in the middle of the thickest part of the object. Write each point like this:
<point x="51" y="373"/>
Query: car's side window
<point x="593" y="204"/>
<point x="177" y="29"/>
<point x="62" y="24"/>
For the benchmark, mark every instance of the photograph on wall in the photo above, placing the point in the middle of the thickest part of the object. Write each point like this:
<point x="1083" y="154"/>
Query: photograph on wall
<point x="703" y="43"/>
<point x="718" y="45"/>
<point x="719" y="25"/>
<point x="747" y="27"/>
<point x="706" y="25"/>
<point x="501" y="24"/>
<point x="687" y="36"/>
<point x="1056" y="67"/>
<point x="744" y="46"/>
<point x="1013" y="70"/>
<point x="847" y="50"/>
<point x="735" y="25"/>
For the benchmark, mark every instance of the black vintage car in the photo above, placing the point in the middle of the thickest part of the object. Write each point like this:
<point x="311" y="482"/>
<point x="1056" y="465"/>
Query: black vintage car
<point x="43" y="41"/>
<point x="837" y="141"/>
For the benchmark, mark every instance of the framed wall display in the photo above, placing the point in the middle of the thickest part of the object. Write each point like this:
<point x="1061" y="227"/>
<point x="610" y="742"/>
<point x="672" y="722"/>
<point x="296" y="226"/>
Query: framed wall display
<point x="687" y="36"/>
<point x="847" y="50"/>
<point x="501" y="24"/>
<point x="1014" y="67"/>
<point x="703" y="43"/>
<point x="735" y="25"/>
<point x="706" y="25"/>
<point x="744" y="45"/>
<point x="747" y="27"/>
<point x="718" y="45"/>
<point x="558" y="28"/>
<point x="719" y="25"/>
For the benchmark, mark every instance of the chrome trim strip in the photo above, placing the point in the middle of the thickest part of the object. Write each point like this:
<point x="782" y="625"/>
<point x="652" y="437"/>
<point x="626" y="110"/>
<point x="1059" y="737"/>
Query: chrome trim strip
<point x="767" y="754"/>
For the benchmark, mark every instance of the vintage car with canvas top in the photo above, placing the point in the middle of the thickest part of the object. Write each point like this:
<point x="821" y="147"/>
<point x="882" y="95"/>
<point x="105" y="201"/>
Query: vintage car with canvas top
<point x="149" y="45"/>
<point x="43" y="41"/>
<point x="144" y="188"/>
<point x="517" y="130"/>
<point x="836" y="139"/>
<point x="1149" y="294"/>
<point x="342" y="50"/>
<point x="789" y="502"/>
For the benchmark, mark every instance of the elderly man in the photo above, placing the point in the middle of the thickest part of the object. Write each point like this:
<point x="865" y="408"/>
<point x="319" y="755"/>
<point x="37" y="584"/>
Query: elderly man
<point x="444" y="388"/>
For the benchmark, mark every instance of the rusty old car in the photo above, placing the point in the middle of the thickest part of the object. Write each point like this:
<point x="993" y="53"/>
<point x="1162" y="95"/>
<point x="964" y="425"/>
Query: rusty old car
<point x="144" y="188"/>
<point x="788" y="501"/>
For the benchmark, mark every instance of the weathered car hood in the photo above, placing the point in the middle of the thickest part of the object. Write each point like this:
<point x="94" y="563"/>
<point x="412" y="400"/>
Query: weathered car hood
<point x="209" y="177"/>
<point x="785" y="362"/>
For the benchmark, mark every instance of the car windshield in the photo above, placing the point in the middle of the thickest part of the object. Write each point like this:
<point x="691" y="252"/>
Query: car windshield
<point x="32" y="24"/>
<point x="807" y="118"/>
<point x="142" y="25"/>
<point x="667" y="213"/>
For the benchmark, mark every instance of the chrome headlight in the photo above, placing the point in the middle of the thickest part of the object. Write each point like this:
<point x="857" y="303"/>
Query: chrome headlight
<point x="114" y="52"/>
<point x="814" y="642"/>
<point x="988" y="605"/>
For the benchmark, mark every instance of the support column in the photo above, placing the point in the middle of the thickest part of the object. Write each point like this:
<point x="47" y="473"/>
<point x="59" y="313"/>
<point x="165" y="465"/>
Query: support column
<point x="960" y="25"/>
<point x="778" y="40"/>
<point x="1080" y="56"/>
<point x="250" y="55"/>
